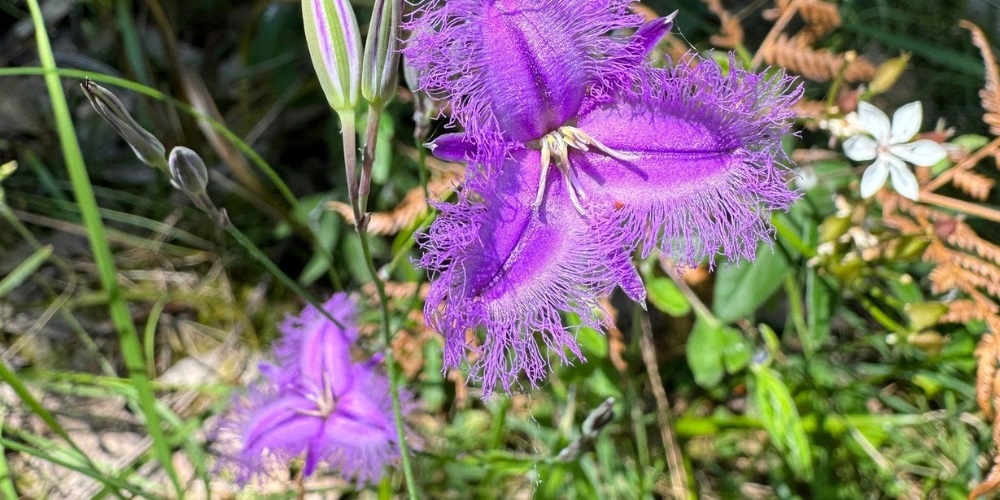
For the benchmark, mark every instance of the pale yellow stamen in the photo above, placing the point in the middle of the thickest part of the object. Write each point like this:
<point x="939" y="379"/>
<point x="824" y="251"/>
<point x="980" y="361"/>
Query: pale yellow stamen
<point x="326" y="402"/>
<point x="555" y="146"/>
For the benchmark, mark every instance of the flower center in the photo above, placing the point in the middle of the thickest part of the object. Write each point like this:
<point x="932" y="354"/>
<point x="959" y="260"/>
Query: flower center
<point x="325" y="401"/>
<point x="555" y="148"/>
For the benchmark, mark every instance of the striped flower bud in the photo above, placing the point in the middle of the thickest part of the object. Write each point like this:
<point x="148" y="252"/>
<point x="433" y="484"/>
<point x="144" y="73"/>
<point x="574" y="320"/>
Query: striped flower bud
<point x="335" y="46"/>
<point x="379" y="73"/>
<point x="187" y="171"/>
<point x="147" y="147"/>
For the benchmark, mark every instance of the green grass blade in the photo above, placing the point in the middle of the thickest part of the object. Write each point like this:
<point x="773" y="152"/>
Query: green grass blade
<point x="114" y="483"/>
<point x="103" y="258"/>
<point x="24" y="270"/>
<point x="7" y="488"/>
<point x="10" y="378"/>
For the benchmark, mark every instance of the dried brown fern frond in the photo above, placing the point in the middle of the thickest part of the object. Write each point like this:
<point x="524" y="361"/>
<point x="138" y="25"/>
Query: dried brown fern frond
<point x="820" y="17"/>
<point x="966" y="263"/>
<point x="990" y="93"/>
<point x="820" y="65"/>
<point x="975" y="185"/>
<point x="731" y="31"/>
<point x="810" y="109"/>
<point x="404" y="215"/>
<point x="965" y="237"/>
<point x="987" y="390"/>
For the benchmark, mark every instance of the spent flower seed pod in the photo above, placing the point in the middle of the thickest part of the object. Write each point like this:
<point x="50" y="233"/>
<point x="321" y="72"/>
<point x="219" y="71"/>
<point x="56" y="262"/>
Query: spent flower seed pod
<point x="146" y="146"/>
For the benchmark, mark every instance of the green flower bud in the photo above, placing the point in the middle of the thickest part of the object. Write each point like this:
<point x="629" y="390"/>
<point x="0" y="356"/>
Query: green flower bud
<point x="379" y="72"/>
<point x="146" y="146"/>
<point x="335" y="46"/>
<point x="188" y="172"/>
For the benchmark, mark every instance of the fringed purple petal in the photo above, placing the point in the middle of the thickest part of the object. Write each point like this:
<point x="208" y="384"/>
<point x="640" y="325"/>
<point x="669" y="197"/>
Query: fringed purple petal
<point x="271" y="433"/>
<point x="709" y="161"/>
<point x="511" y="269"/>
<point x="648" y="35"/>
<point x="360" y="437"/>
<point x="514" y="70"/>
<point x="454" y="147"/>
<point x="320" y="348"/>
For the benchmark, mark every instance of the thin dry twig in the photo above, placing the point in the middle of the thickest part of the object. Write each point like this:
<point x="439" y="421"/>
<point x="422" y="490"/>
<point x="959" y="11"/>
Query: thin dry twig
<point x="678" y="479"/>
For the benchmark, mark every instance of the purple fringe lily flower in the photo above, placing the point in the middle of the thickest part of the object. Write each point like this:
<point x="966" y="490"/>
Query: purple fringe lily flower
<point x="580" y="154"/>
<point x="317" y="403"/>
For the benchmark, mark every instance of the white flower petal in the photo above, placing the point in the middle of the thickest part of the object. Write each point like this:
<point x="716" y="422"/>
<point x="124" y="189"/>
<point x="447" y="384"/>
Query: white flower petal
<point x="903" y="180"/>
<point x="874" y="121"/>
<point x="924" y="152"/>
<point x="860" y="148"/>
<point x="906" y="122"/>
<point x="873" y="178"/>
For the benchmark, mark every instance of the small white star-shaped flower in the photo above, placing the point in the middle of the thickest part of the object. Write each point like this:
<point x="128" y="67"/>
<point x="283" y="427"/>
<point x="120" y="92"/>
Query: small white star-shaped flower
<point x="889" y="148"/>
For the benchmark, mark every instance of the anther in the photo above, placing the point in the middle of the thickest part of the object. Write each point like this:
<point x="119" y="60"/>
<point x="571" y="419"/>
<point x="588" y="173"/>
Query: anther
<point x="555" y="148"/>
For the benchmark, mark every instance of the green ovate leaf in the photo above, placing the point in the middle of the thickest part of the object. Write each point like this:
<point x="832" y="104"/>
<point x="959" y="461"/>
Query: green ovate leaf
<point x="665" y="296"/>
<point x="743" y="287"/>
<point x="714" y="349"/>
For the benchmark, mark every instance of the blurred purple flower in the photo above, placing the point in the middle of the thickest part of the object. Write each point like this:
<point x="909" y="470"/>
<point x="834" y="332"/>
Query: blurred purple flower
<point x="686" y="161"/>
<point x="315" y="401"/>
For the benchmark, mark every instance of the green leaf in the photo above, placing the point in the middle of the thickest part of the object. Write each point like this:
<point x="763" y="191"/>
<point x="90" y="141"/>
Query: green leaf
<point x="714" y="349"/>
<point x="741" y="289"/>
<point x="971" y="142"/>
<point x="593" y="343"/>
<point x="703" y="353"/>
<point x="780" y="417"/>
<point x="924" y="315"/>
<point x="736" y="351"/>
<point x="665" y="296"/>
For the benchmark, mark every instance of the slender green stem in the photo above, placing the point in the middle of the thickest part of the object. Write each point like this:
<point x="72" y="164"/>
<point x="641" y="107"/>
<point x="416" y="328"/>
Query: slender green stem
<point x="390" y="363"/>
<point x="259" y="256"/>
<point x="121" y="317"/>
<point x="881" y="317"/>
<point x="402" y="252"/>
<point x="349" y="137"/>
<point x="700" y="309"/>
<point x="240" y="144"/>
<point x="422" y="167"/>
<point x="797" y="312"/>
<point x="47" y="453"/>
<point x="358" y="191"/>
<point x="368" y="158"/>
